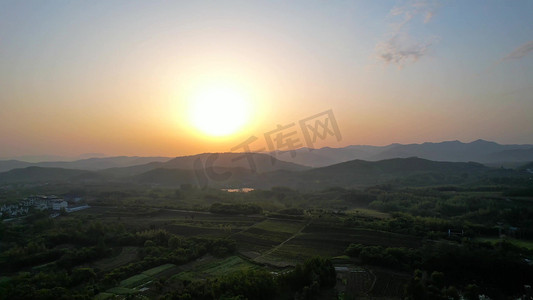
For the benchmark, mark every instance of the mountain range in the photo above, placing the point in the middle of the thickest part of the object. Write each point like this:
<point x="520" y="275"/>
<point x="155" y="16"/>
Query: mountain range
<point x="480" y="151"/>
<point x="427" y="163"/>
<point x="356" y="173"/>
<point x="93" y="164"/>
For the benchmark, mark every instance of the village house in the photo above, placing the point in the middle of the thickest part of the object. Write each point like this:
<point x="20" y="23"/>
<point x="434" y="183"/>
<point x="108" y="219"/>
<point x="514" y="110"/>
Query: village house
<point x="39" y="202"/>
<point x="58" y="204"/>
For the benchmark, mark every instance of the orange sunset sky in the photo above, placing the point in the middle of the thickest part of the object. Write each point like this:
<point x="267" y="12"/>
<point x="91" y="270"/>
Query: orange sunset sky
<point x="173" y="78"/>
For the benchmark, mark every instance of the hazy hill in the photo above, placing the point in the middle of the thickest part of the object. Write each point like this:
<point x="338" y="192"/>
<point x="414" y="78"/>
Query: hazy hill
<point x="356" y="173"/>
<point x="262" y="163"/>
<point x="361" y="173"/>
<point x="322" y="157"/>
<point x="176" y="177"/>
<point x="162" y="176"/>
<point x="41" y="175"/>
<point x="84" y="164"/>
<point x="455" y="151"/>
<point x="410" y="171"/>
<point x="513" y="155"/>
<point x="6" y="165"/>
<point x="479" y="151"/>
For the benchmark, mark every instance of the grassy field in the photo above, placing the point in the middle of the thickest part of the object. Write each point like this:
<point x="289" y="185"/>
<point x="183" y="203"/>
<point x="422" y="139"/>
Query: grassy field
<point x="121" y="291"/>
<point x="216" y="267"/>
<point x="135" y="280"/>
<point x="157" y="270"/>
<point x="130" y="285"/>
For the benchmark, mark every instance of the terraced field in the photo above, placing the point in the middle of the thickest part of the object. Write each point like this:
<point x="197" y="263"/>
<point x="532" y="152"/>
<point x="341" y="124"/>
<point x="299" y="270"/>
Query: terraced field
<point x="163" y="217"/>
<point x="216" y="267"/>
<point x="135" y="280"/>
<point x="133" y="284"/>
<point x="359" y="235"/>
<point x="263" y="236"/>
<point x="317" y="239"/>
<point x="389" y="284"/>
<point x="274" y="242"/>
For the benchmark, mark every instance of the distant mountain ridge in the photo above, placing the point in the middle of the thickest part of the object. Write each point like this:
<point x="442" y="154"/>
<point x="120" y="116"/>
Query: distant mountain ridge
<point x="39" y="175"/>
<point x="92" y="164"/>
<point x="480" y="151"/>
<point x="257" y="162"/>
<point x="356" y="173"/>
<point x="179" y="169"/>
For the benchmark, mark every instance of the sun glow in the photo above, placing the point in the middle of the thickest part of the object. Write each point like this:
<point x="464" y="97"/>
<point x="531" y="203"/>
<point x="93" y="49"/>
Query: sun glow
<point x="219" y="110"/>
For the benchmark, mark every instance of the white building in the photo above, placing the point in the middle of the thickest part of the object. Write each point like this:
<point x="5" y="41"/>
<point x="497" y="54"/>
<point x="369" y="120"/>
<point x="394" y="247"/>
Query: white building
<point x="58" y="204"/>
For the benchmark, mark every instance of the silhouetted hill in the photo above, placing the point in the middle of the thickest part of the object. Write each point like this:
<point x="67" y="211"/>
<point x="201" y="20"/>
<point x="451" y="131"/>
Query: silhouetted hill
<point x="356" y="173"/>
<point x="513" y="155"/>
<point x="360" y="173"/>
<point x="6" y="165"/>
<point x="176" y="177"/>
<point x="455" y="151"/>
<point x="131" y="170"/>
<point x="261" y="163"/>
<point x="321" y="157"/>
<point x="479" y="151"/>
<point x="162" y="176"/>
<point x="40" y="175"/>
<point x="84" y="164"/>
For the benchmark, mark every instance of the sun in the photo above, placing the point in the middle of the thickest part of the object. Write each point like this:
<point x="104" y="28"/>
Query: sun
<point x="219" y="110"/>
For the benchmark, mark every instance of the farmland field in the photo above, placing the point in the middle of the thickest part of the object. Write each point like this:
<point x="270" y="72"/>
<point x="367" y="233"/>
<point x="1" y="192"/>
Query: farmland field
<point x="135" y="280"/>
<point x="214" y="267"/>
<point x="149" y="252"/>
<point x="277" y="225"/>
<point x="157" y="270"/>
<point x="121" y="291"/>
<point x="126" y="255"/>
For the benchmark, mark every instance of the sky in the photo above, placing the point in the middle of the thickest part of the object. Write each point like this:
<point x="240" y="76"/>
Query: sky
<point x="123" y="77"/>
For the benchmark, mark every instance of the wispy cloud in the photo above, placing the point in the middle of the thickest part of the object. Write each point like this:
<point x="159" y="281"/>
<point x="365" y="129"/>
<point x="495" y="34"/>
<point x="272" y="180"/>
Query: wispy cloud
<point x="427" y="9"/>
<point x="400" y="48"/>
<point x="521" y="51"/>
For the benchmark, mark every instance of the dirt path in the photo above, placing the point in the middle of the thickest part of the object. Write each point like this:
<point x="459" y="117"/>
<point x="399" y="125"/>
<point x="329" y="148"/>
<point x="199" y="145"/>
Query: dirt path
<point x="283" y="243"/>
